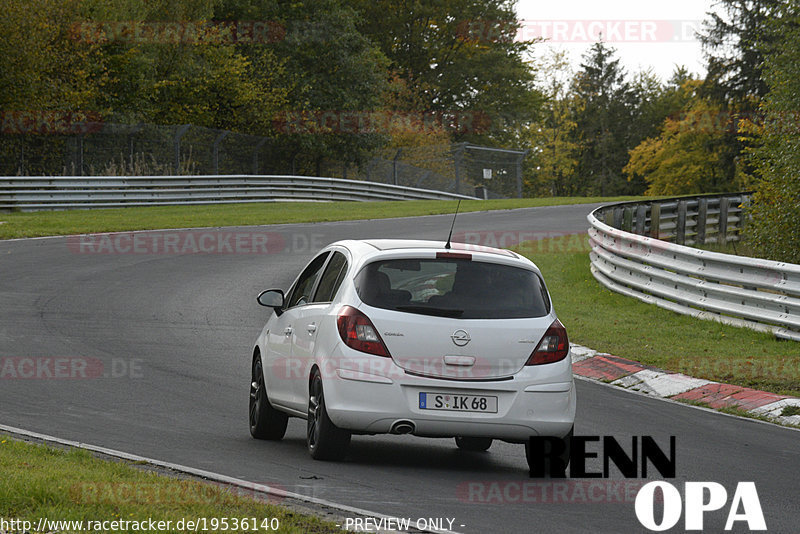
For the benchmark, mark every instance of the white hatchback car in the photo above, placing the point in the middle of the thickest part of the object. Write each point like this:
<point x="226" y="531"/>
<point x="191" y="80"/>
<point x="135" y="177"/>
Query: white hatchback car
<point x="399" y="336"/>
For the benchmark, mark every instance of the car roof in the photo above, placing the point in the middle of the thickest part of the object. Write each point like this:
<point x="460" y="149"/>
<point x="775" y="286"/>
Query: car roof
<point x="401" y="244"/>
<point x="366" y="250"/>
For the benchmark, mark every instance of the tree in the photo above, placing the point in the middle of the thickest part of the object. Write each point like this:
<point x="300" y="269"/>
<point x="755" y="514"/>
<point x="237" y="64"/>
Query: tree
<point x="458" y="55"/>
<point x="42" y="67"/>
<point x="685" y="157"/>
<point x="554" y="153"/>
<point x="604" y="123"/>
<point x="51" y="84"/>
<point x="774" y="228"/>
<point x="330" y="68"/>
<point x="173" y="62"/>
<point x="655" y="101"/>
<point x="734" y="58"/>
<point x="189" y="74"/>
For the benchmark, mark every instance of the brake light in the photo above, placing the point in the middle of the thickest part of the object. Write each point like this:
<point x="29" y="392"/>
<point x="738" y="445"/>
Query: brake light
<point x="358" y="332"/>
<point x="553" y="347"/>
<point x="453" y="256"/>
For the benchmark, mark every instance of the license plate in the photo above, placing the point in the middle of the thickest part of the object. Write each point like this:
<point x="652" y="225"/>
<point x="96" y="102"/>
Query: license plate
<point x="457" y="403"/>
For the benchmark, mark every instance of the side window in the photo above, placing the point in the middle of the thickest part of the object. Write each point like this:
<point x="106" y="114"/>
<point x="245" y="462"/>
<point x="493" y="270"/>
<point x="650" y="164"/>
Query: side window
<point x="331" y="278"/>
<point x="302" y="289"/>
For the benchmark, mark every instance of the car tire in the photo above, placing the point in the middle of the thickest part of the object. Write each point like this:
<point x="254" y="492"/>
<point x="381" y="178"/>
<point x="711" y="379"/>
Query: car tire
<point x="473" y="444"/>
<point x="265" y="421"/>
<point x="565" y="457"/>
<point x="325" y="441"/>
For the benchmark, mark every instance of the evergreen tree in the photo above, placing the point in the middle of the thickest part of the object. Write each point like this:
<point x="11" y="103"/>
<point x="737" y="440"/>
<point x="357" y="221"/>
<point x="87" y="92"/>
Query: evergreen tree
<point x="733" y="56"/>
<point x="734" y="61"/>
<point x="774" y="228"/>
<point x="604" y="123"/>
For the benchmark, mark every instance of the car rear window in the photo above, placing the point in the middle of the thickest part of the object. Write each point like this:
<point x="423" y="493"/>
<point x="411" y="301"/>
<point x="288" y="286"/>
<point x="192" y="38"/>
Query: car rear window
<point x="451" y="287"/>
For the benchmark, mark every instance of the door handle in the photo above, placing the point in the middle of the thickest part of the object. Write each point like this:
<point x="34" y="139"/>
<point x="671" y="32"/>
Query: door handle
<point x="287" y="331"/>
<point x="312" y="328"/>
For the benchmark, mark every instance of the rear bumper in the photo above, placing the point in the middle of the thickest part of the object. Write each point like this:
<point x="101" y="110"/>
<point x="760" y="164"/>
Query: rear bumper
<point x="539" y="400"/>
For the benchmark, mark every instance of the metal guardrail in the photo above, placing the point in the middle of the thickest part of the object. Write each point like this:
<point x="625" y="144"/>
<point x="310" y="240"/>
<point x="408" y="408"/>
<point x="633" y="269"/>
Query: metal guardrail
<point x="685" y="221"/>
<point x="632" y="254"/>
<point x="46" y="192"/>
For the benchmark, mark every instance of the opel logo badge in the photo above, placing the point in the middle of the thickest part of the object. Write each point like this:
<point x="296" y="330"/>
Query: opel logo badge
<point x="460" y="338"/>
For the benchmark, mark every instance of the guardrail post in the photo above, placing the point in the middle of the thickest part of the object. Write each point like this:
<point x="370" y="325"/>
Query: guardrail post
<point x="723" y="221"/>
<point x="702" y="214"/>
<point x="394" y="167"/>
<point x="131" y="154"/>
<point x="742" y="205"/>
<point x="22" y="158"/>
<point x="177" y="146"/>
<point x="655" y="220"/>
<point x="680" y="224"/>
<point x="80" y="155"/>
<point x="217" y="141"/>
<point x="617" y="218"/>
<point x="255" y="154"/>
<point x="457" y="164"/>
<point x="627" y="218"/>
<point x="519" y="173"/>
<point x="641" y="219"/>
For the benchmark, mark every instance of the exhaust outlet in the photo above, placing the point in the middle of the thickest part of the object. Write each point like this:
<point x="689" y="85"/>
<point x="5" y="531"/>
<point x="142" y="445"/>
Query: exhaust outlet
<point x="402" y="427"/>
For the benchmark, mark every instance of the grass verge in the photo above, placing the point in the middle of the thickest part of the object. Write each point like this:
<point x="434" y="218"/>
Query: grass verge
<point x="610" y="322"/>
<point x="72" y="485"/>
<point x="69" y="222"/>
<point x="732" y="410"/>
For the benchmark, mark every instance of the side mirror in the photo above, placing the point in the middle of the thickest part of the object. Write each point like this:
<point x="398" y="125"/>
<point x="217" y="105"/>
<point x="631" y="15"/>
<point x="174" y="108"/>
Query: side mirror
<point x="272" y="298"/>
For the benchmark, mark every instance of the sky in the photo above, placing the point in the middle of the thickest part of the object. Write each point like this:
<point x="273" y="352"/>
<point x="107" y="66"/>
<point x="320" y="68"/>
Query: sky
<point x="646" y="33"/>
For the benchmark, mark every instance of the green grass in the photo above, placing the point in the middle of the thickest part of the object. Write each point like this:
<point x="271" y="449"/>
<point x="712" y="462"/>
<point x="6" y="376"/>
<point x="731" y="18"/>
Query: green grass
<point x="610" y="322"/>
<point x="42" y="482"/>
<point x="732" y="410"/>
<point x="69" y="222"/>
<point x="789" y="411"/>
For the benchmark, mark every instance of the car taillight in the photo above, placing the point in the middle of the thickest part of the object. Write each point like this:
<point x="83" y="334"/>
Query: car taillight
<point x="553" y="347"/>
<point x="358" y="332"/>
<point x="453" y="256"/>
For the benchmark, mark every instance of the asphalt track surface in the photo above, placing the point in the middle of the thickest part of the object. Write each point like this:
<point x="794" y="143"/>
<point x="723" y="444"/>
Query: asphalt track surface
<point x="174" y="333"/>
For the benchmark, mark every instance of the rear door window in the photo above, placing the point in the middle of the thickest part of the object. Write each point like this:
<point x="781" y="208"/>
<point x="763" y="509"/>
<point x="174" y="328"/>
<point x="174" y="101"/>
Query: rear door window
<point x="453" y="288"/>
<point x="301" y="294"/>
<point x="331" y="278"/>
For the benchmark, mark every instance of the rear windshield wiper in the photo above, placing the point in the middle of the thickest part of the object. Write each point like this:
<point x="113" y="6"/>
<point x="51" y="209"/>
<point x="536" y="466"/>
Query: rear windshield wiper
<point x="430" y="310"/>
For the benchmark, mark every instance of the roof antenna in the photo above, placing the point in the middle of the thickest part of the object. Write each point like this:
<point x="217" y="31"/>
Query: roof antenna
<point x="447" y="245"/>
